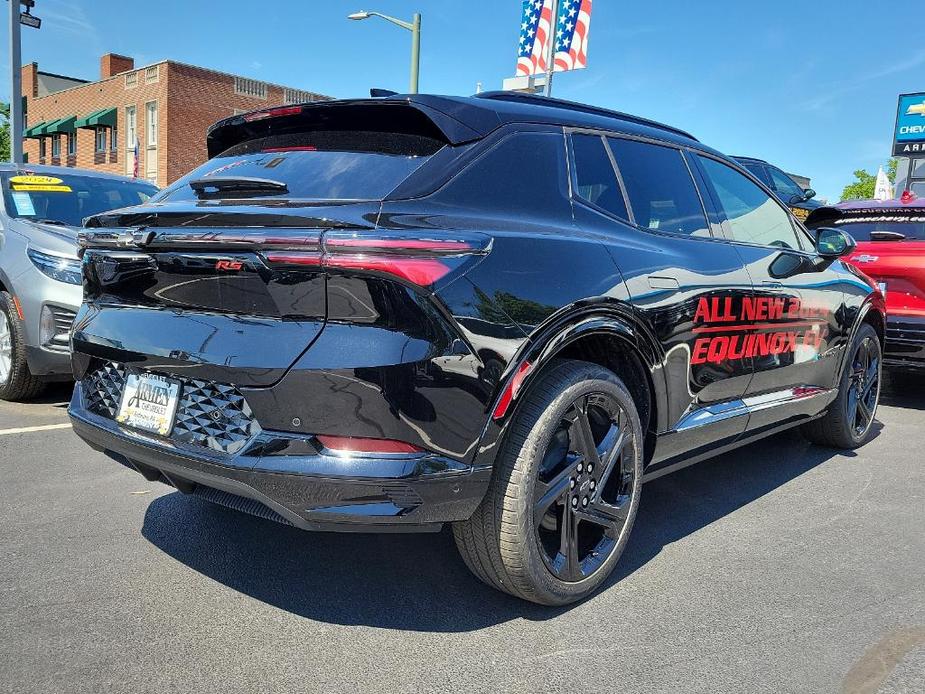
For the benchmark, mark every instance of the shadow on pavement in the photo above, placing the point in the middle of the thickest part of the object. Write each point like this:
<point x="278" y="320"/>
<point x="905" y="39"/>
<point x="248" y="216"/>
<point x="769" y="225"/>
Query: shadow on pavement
<point x="418" y="582"/>
<point x="903" y="388"/>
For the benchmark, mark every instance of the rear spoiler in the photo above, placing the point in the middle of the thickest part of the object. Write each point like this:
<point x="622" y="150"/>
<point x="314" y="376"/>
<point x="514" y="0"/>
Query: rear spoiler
<point x="424" y="115"/>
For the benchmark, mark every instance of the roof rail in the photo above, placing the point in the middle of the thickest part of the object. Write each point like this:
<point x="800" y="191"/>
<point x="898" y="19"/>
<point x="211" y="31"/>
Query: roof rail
<point x="582" y="108"/>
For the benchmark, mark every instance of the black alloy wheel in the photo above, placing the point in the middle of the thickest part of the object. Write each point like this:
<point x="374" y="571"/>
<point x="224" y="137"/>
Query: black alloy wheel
<point x="583" y="491"/>
<point x="849" y="421"/>
<point x="864" y="388"/>
<point x="565" y="488"/>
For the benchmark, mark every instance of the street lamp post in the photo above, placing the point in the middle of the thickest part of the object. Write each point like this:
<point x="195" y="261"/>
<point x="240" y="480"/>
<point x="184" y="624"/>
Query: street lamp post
<point x="414" y="26"/>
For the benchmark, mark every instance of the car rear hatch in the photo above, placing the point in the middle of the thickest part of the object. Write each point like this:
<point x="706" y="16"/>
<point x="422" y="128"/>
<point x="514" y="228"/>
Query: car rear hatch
<point x="224" y="275"/>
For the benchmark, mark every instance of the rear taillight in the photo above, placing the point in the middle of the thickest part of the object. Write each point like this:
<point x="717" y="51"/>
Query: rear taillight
<point x="421" y="261"/>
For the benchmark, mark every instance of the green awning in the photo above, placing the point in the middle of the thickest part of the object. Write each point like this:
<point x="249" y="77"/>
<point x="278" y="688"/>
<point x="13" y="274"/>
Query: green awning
<point x="62" y="125"/>
<point x="104" y="118"/>
<point x="34" y="130"/>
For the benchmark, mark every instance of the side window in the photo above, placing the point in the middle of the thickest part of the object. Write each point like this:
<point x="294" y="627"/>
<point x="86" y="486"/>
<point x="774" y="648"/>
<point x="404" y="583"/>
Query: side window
<point x="595" y="177"/>
<point x="784" y="184"/>
<point x="660" y="188"/>
<point x="754" y="216"/>
<point x="759" y="171"/>
<point x="524" y="174"/>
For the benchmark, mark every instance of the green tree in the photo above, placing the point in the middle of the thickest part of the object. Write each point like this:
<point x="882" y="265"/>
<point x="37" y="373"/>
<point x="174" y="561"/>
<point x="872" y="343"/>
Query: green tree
<point x="865" y="183"/>
<point x="4" y="131"/>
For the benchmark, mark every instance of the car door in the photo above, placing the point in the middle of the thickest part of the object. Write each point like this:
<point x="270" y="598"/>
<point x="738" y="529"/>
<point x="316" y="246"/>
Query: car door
<point x="641" y="198"/>
<point x="796" y="319"/>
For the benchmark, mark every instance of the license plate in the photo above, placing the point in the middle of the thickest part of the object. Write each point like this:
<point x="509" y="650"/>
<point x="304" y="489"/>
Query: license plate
<point x="149" y="403"/>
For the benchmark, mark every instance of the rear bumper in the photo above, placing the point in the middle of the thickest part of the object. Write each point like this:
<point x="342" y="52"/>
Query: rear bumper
<point x="309" y="490"/>
<point x="905" y="342"/>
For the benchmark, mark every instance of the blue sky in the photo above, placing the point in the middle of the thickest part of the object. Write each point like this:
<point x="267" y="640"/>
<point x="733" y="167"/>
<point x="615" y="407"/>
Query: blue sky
<point x="810" y="86"/>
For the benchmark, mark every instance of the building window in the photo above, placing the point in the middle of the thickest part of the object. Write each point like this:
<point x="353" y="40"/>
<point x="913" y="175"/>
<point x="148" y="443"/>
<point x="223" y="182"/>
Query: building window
<point x="114" y="138"/>
<point x="131" y="166"/>
<point x="151" y="74"/>
<point x="151" y="123"/>
<point x="55" y="146"/>
<point x="246" y="87"/>
<point x="100" y="134"/>
<point x="42" y="150"/>
<point x="72" y="144"/>
<point x="131" y="80"/>
<point x="297" y="96"/>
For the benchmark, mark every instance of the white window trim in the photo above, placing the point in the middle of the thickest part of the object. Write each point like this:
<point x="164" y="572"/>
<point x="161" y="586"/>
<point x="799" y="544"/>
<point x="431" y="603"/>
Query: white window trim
<point x="157" y="133"/>
<point x="55" y="146"/>
<point x="99" y="136"/>
<point x="72" y="138"/>
<point x="131" y="134"/>
<point x="152" y="74"/>
<point x="131" y="80"/>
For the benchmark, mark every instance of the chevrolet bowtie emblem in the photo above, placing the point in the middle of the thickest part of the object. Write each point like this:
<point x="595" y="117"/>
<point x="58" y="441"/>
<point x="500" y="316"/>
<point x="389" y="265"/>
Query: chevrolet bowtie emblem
<point x="866" y="258"/>
<point x="916" y="109"/>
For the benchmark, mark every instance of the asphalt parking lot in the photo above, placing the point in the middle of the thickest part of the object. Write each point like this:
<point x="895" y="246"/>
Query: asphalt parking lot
<point x="779" y="568"/>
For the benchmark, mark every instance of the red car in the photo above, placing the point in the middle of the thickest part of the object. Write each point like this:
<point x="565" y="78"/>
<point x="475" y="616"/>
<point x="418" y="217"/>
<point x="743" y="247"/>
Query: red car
<point x="891" y="250"/>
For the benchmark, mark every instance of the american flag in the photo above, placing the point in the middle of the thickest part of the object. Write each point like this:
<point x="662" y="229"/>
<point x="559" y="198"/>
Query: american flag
<point x="135" y="167"/>
<point x="570" y="35"/>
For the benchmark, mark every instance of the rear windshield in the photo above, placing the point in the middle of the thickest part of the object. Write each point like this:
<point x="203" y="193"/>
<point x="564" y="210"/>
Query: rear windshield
<point x="867" y="228"/>
<point x="68" y="198"/>
<point x="316" y="165"/>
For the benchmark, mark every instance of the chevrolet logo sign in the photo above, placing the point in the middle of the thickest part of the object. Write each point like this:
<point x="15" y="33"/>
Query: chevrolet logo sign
<point x="916" y="109"/>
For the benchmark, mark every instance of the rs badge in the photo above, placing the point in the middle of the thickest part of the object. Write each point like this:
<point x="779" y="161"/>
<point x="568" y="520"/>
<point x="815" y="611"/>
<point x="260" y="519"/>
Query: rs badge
<point x="229" y="265"/>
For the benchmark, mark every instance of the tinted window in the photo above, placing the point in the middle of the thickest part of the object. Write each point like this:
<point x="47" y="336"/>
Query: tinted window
<point x="523" y="174"/>
<point x="785" y="185"/>
<point x="754" y="216"/>
<point x="660" y="188"/>
<point x="866" y="229"/>
<point x="758" y="170"/>
<point x="74" y="198"/>
<point x="318" y="165"/>
<point x="595" y="176"/>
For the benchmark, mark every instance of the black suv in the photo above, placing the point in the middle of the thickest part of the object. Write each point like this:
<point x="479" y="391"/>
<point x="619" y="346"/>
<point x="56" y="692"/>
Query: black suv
<point x="503" y="312"/>
<point x="799" y="200"/>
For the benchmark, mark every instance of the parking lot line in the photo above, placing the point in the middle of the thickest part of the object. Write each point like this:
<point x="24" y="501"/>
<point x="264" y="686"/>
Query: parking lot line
<point x="29" y="430"/>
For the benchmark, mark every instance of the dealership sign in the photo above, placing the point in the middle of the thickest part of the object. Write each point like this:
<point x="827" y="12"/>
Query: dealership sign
<point x="910" y="125"/>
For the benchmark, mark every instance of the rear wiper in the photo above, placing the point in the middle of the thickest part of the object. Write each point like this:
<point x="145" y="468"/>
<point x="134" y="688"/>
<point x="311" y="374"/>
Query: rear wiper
<point x="242" y="185"/>
<point x="887" y="236"/>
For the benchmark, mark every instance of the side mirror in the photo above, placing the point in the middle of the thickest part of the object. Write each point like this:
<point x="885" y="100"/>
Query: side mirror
<point x="834" y="243"/>
<point x="809" y="194"/>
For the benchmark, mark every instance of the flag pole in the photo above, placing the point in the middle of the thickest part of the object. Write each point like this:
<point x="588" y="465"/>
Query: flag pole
<point x="551" y="47"/>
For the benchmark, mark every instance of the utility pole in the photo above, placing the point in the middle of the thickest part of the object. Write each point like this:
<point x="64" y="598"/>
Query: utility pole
<point x="15" y="85"/>
<point x="551" y="42"/>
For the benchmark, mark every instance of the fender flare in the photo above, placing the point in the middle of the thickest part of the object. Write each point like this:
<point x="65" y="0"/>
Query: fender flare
<point x="872" y="302"/>
<point x="615" y="319"/>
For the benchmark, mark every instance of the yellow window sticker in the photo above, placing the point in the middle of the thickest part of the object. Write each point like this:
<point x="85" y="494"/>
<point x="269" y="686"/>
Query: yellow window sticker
<point x="33" y="180"/>
<point x="42" y="188"/>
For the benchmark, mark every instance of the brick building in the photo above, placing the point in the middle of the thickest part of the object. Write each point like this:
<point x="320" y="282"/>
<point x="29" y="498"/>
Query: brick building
<point x="165" y="107"/>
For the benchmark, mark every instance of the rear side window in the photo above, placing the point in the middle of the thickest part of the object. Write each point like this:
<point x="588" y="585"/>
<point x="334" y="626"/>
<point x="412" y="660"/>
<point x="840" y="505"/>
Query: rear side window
<point x="524" y="174"/>
<point x="596" y="180"/>
<point x="318" y="165"/>
<point x="660" y="188"/>
<point x="753" y="215"/>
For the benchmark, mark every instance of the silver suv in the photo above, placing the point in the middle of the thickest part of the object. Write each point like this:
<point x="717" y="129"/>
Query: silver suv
<point x="40" y="278"/>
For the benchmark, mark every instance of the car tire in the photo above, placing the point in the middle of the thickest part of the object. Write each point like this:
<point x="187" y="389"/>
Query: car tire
<point x="510" y="540"/>
<point x="849" y="421"/>
<point x="16" y="381"/>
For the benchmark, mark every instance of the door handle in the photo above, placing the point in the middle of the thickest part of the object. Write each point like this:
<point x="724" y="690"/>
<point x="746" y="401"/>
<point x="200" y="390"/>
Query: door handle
<point x="772" y="286"/>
